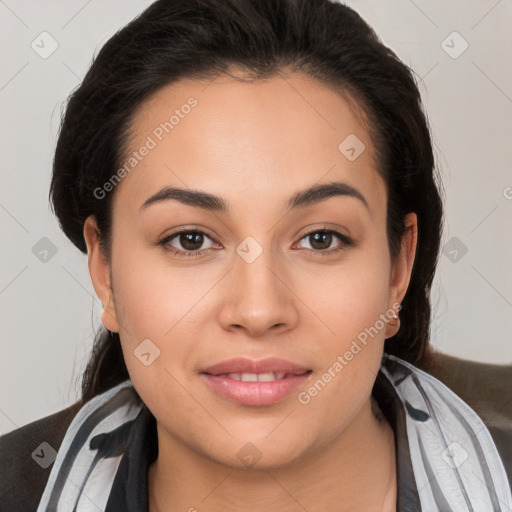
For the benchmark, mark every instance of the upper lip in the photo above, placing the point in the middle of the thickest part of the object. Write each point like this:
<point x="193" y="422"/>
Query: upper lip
<point x="245" y="365"/>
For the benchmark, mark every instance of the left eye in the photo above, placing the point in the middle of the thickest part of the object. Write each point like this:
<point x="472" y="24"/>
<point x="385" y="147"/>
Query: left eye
<point x="321" y="240"/>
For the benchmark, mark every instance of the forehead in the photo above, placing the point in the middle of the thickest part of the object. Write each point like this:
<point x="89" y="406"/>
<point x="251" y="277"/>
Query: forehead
<point x="255" y="139"/>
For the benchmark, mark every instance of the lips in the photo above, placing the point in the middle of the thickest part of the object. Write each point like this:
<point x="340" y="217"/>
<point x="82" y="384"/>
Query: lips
<point x="255" y="383"/>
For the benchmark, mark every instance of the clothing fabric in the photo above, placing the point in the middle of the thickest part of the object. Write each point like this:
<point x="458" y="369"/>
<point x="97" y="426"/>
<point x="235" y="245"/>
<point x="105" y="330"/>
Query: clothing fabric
<point x="446" y="457"/>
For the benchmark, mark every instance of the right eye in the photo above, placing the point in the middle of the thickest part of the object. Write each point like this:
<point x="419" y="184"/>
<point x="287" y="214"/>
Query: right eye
<point x="190" y="241"/>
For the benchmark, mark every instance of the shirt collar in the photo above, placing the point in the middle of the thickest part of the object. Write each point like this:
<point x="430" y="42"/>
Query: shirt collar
<point x="130" y="487"/>
<point x="408" y="499"/>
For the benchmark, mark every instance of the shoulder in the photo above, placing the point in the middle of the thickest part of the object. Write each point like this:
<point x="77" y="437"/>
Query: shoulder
<point x="487" y="389"/>
<point x="27" y="454"/>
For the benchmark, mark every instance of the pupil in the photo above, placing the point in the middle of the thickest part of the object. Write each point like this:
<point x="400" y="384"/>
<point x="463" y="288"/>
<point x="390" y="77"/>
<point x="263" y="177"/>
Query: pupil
<point x="187" y="241"/>
<point x="318" y="237"/>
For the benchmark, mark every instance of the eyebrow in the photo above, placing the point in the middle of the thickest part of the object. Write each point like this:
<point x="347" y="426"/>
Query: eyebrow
<point x="210" y="202"/>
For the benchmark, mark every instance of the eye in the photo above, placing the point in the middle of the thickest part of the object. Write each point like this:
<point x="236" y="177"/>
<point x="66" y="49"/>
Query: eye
<point x="189" y="240"/>
<point x="320" y="241"/>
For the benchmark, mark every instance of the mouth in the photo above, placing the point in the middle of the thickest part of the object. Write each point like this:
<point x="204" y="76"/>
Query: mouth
<point x="255" y="389"/>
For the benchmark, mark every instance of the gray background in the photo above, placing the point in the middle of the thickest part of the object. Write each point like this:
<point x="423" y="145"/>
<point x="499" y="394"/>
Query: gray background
<point x="49" y="310"/>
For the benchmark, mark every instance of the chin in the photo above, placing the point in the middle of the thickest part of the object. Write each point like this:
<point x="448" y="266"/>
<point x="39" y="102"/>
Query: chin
<point x="260" y="453"/>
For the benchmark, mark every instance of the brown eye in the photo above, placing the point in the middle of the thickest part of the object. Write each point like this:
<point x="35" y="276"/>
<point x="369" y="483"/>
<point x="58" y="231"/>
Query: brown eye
<point x="320" y="241"/>
<point x="186" y="243"/>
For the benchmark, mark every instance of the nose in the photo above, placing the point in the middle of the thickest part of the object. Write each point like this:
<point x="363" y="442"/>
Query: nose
<point x="258" y="298"/>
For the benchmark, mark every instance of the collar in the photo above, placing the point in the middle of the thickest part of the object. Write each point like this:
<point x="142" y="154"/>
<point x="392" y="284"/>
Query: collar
<point x="130" y="487"/>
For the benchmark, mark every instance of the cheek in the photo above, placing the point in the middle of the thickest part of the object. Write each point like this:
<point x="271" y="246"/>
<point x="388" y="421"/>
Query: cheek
<point x="149" y="298"/>
<point x="351" y="306"/>
<point x="140" y="295"/>
<point x="350" y="352"/>
<point x="157" y="303"/>
<point x="152" y="317"/>
<point x="355" y="294"/>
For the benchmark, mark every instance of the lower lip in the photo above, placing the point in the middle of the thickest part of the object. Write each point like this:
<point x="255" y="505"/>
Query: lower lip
<point x="254" y="393"/>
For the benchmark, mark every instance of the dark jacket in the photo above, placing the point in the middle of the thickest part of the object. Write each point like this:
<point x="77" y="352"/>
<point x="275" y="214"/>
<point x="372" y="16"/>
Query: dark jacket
<point x="486" y="388"/>
<point x="22" y="479"/>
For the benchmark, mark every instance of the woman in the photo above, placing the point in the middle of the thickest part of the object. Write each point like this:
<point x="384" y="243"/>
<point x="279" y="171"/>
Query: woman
<point x="254" y="185"/>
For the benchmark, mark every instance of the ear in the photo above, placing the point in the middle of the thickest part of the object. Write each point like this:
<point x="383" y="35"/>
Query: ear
<point x="401" y="269"/>
<point x="99" y="270"/>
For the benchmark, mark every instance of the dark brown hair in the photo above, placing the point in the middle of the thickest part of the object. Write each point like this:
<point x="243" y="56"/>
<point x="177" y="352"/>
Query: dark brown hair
<point x="174" y="39"/>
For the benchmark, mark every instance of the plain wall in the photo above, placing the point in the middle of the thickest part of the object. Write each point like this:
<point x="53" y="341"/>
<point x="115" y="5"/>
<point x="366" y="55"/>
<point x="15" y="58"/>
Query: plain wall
<point x="48" y="313"/>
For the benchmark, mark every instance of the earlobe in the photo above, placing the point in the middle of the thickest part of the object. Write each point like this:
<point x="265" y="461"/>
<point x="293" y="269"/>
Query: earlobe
<point x="100" y="274"/>
<point x="393" y="324"/>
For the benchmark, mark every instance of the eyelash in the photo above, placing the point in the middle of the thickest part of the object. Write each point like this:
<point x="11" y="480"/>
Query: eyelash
<point x="346" y="242"/>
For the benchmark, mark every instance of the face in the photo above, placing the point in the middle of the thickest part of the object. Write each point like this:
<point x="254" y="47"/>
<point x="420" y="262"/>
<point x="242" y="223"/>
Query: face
<point x="311" y="282"/>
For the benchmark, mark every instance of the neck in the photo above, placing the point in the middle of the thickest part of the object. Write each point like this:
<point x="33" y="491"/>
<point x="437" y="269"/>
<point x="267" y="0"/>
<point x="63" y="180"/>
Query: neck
<point x="357" y="471"/>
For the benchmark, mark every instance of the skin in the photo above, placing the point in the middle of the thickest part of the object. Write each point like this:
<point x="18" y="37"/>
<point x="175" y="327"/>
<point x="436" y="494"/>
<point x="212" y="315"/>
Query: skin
<point x="256" y="144"/>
